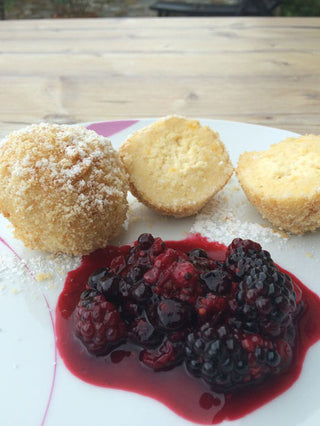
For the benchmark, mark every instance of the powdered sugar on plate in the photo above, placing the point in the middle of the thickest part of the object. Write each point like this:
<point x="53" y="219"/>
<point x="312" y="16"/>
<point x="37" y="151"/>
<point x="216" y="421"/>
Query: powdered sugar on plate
<point x="37" y="273"/>
<point x="229" y="215"/>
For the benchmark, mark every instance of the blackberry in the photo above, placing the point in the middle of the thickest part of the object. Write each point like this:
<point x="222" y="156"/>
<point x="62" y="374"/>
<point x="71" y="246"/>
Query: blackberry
<point x="243" y="255"/>
<point x="265" y="300"/>
<point x="98" y="323"/>
<point x="219" y="359"/>
<point x="229" y="360"/>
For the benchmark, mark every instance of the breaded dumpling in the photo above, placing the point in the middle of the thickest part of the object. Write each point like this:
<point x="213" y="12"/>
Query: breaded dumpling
<point x="62" y="187"/>
<point x="175" y="165"/>
<point x="283" y="183"/>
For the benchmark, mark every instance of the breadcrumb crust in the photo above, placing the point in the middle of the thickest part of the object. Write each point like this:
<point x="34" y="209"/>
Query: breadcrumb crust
<point x="62" y="187"/>
<point x="283" y="183"/>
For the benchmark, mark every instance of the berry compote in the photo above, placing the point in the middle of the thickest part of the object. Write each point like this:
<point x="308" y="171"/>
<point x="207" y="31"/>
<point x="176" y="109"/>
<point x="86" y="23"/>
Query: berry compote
<point x="224" y="324"/>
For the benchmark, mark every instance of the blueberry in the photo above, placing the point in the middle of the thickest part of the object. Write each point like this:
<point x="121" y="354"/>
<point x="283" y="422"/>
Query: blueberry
<point x="170" y="314"/>
<point x="198" y="253"/>
<point x="218" y="281"/>
<point x="145" y="241"/>
<point x="141" y="292"/>
<point x="96" y="276"/>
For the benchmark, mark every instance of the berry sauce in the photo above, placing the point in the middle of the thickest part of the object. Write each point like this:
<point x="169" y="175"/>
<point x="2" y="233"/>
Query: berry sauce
<point x="121" y="368"/>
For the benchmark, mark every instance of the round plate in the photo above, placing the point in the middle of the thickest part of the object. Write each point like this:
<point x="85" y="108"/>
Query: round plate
<point x="37" y="389"/>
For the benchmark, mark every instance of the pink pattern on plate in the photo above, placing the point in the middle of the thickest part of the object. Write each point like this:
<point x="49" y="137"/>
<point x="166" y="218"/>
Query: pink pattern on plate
<point x="109" y="128"/>
<point x="4" y="242"/>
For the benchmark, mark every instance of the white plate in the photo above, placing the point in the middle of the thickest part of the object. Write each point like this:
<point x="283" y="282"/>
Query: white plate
<point x="35" y="386"/>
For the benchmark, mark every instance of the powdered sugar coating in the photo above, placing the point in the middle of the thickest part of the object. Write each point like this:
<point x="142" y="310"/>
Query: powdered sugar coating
<point x="62" y="187"/>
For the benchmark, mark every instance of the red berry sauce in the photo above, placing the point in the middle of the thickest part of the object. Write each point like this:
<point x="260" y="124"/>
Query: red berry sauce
<point x="188" y="396"/>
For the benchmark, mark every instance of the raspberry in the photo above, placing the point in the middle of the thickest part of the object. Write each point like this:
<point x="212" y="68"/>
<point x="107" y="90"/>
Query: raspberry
<point x="174" y="276"/>
<point x="164" y="357"/>
<point x="158" y="246"/>
<point x="211" y="307"/>
<point x="118" y="264"/>
<point x="98" y="323"/>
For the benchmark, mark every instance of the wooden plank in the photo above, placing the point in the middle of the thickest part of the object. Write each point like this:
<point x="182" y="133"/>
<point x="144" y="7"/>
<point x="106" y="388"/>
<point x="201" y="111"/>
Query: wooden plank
<point x="238" y="65"/>
<point x="259" y="70"/>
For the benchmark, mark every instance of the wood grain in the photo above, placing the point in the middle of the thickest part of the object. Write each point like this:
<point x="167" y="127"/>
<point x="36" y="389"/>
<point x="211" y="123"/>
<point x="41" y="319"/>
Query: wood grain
<point x="255" y="70"/>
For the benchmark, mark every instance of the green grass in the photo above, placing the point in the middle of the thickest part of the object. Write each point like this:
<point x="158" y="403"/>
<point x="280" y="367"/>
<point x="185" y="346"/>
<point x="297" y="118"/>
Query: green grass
<point x="300" y="8"/>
